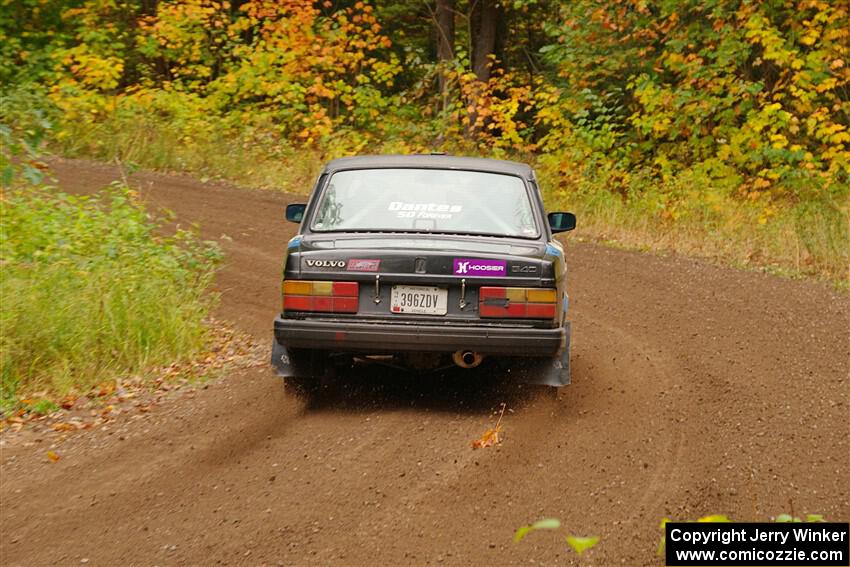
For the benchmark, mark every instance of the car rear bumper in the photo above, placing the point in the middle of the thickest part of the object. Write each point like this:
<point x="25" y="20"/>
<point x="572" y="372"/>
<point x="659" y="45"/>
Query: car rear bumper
<point x="388" y="338"/>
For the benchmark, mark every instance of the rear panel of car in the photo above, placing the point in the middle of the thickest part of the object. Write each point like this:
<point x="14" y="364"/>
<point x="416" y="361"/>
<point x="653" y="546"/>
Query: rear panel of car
<point x="513" y="277"/>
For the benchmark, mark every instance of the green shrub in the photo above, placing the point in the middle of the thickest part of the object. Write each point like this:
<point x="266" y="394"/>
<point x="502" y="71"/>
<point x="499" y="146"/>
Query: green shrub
<point x="91" y="288"/>
<point x="24" y="128"/>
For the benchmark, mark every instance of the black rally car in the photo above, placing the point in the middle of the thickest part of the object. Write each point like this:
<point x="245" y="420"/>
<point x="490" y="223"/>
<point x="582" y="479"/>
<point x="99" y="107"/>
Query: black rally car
<point x="428" y="259"/>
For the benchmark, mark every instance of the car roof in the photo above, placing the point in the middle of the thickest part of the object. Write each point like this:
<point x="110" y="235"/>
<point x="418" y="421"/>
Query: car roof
<point x="431" y="161"/>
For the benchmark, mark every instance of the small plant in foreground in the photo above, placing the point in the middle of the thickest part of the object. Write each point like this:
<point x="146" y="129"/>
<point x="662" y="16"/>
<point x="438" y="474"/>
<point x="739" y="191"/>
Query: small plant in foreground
<point x="788" y="518"/>
<point x="579" y="544"/>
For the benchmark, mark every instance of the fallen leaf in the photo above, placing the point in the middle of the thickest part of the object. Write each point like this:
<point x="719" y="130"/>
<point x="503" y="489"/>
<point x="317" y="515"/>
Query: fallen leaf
<point x="663" y="543"/>
<point x="547" y="524"/>
<point x="715" y="518"/>
<point x="491" y="436"/>
<point x="582" y="544"/>
<point x="105" y="389"/>
<point x="53" y="456"/>
<point x="64" y="427"/>
<point x="68" y="402"/>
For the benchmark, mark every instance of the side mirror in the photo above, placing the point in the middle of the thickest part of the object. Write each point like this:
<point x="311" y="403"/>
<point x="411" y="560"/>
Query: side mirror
<point x="295" y="212"/>
<point x="561" y="222"/>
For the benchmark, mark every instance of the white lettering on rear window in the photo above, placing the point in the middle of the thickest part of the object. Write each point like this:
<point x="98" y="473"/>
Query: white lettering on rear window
<point x="435" y="211"/>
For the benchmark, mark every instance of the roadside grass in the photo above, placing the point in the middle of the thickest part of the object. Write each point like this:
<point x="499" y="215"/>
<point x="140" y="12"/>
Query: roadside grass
<point x="91" y="290"/>
<point x="805" y="240"/>
<point x="248" y="155"/>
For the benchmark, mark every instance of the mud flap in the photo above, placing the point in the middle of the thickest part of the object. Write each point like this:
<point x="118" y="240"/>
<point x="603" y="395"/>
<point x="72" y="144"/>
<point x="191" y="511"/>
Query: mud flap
<point x="553" y="371"/>
<point x="282" y="361"/>
<point x="299" y="364"/>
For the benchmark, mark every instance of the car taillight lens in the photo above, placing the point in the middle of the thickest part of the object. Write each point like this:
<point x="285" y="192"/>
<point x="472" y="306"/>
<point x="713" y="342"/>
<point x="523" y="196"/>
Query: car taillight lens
<point x="519" y="302"/>
<point x="327" y="297"/>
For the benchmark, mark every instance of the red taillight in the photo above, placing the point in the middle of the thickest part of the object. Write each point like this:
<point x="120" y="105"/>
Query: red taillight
<point x="492" y="292"/>
<point x="540" y="310"/>
<point x="297" y="303"/>
<point x="346" y="289"/>
<point x="321" y="296"/>
<point x="517" y="302"/>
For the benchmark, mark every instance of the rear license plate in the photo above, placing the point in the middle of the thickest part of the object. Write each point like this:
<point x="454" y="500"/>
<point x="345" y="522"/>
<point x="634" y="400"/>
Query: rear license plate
<point x="420" y="300"/>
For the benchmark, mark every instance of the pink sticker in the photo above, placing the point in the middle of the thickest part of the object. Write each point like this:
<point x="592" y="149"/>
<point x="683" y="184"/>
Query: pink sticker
<point x="356" y="265"/>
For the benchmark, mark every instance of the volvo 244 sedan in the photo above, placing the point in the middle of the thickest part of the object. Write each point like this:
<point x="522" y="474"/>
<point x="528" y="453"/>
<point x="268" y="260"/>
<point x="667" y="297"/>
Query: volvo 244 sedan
<point x="424" y="261"/>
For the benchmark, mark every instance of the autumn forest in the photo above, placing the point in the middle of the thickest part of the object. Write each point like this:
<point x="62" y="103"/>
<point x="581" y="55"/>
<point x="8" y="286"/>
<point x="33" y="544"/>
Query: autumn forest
<point x="717" y="128"/>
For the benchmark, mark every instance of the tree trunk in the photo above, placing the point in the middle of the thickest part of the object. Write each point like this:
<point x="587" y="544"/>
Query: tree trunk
<point x="485" y="25"/>
<point x="444" y="20"/>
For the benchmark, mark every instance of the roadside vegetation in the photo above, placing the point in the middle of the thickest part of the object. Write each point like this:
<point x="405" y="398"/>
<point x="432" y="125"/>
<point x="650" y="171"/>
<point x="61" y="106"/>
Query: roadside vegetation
<point x="718" y="129"/>
<point x="92" y="288"/>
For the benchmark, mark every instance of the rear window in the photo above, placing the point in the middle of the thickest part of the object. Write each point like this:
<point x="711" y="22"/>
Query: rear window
<point x="426" y="200"/>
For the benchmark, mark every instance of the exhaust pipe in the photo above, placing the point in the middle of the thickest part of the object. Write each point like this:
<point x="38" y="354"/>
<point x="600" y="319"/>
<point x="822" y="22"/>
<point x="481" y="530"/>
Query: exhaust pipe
<point x="467" y="358"/>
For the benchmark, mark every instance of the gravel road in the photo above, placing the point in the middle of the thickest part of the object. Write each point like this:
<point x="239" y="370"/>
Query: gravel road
<point x="696" y="390"/>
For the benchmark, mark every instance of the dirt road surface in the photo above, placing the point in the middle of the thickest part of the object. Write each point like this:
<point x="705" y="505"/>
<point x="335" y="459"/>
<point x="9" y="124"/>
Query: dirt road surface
<point x="696" y="390"/>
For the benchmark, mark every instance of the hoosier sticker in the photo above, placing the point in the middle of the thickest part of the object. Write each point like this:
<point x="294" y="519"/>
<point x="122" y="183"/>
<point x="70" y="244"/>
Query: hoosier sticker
<point x="481" y="268"/>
